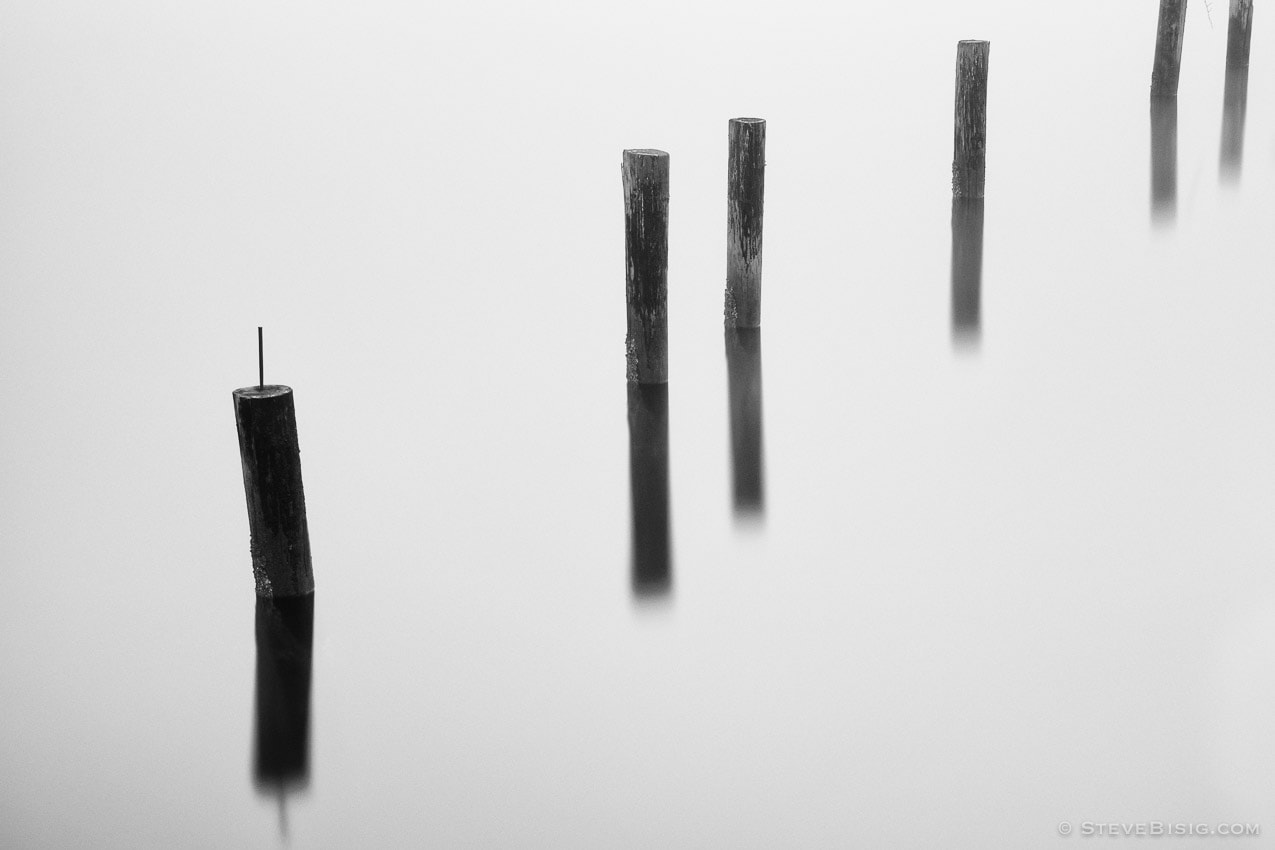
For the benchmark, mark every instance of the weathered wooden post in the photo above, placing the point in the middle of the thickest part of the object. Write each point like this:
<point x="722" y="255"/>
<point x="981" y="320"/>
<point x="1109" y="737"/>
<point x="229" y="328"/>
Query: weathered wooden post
<point x="743" y="377"/>
<point x="646" y="185"/>
<point x="1164" y="109"/>
<point x="648" y="482"/>
<point x="1239" y="33"/>
<point x="1168" y="48"/>
<point x="271" y="458"/>
<point x="969" y="161"/>
<point x="1235" y="96"/>
<point x="745" y="193"/>
<point x="967" y="269"/>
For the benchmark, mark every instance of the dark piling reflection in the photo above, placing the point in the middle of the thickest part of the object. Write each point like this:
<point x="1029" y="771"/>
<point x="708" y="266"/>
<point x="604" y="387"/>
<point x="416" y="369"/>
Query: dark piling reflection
<point x="281" y="754"/>
<point x="1234" y="104"/>
<point x="743" y="371"/>
<point x="1164" y="159"/>
<point x="967" y="270"/>
<point x="648" y="480"/>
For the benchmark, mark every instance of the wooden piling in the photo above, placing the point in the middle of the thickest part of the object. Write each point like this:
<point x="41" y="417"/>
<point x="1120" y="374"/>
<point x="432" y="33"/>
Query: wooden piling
<point x="1235" y="94"/>
<point x="1239" y="33"/>
<point x="745" y="193"/>
<point x="271" y="457"/>
<point x="969" y="162"/>
<point x="1168" y="48"/>
<point x="646" y="188"/>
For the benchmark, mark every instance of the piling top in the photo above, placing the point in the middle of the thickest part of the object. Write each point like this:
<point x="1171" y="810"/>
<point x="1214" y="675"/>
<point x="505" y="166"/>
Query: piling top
<point x="973" y="41"/>
<point x="748" y="120"/>
<point x="645" y="152"/>
<point x="268" y="391"/>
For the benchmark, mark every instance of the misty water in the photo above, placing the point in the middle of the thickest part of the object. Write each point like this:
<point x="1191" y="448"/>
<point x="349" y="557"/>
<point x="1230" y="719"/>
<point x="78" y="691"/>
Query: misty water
<point x="972" y="539"/>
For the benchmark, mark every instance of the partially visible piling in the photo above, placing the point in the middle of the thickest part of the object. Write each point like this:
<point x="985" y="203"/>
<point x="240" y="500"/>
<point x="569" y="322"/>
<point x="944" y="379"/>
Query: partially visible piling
<point x="967" y="269"/>
<point x="649" y="485"/>
<point x="969" y="163"/>
<point x="1168" y="48"/>
<point x="1164" y="159"/>
<point x="1235" y="97"/>
<point x="743" y="378"/>
<point x="1164" y="110"/>
<point x="267" y="423"/>
<point x="745" y="193"/>
<point x="646" y="184"/>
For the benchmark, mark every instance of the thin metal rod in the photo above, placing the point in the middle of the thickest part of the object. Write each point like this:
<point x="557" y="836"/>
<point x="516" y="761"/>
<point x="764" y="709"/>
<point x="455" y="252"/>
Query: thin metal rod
<point x="261" y="360"/>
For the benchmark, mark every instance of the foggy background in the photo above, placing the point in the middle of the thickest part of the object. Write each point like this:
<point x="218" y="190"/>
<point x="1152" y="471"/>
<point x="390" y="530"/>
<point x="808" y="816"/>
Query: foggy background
<point x="994" y="588"/>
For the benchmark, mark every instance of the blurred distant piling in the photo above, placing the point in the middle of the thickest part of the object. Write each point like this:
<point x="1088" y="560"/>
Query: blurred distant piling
<point x="271" y="457"/>
<point x="1235" y="97"/>
<point x="1168" y="48"/>
<point x="967" y="269"/>
<point x="1164" y="159"/>
<point x="743" y="377"/>
<point x="969" y="163"/>
<point x="745" y="193"/>
<point x="646" y="185"/>
<point x="649" y="486"/>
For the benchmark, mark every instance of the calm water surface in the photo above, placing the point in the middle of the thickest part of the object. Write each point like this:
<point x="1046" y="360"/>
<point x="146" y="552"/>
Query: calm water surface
<point x="965" y="570"/>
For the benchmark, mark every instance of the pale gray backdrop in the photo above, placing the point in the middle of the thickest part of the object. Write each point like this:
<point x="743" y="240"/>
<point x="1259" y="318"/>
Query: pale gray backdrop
<point x="994" y="589"/>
